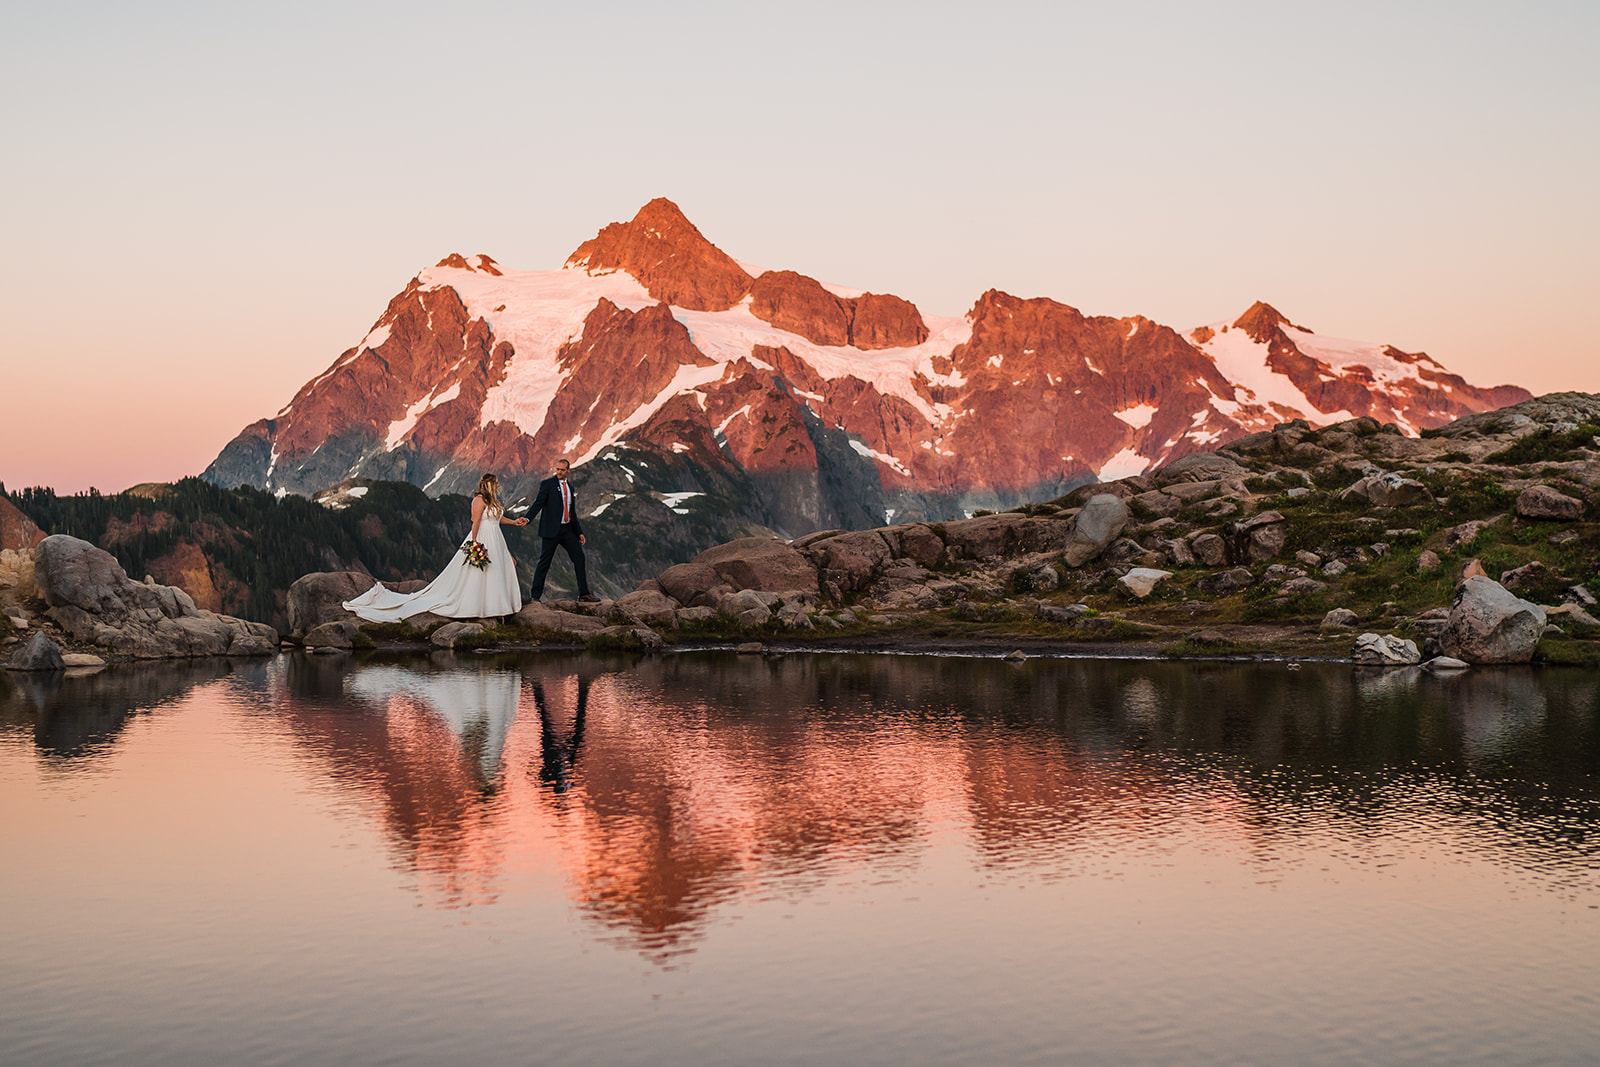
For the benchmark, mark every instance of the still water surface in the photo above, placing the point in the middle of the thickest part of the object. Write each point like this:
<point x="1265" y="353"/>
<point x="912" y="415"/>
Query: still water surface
<point x="708" y="859"/>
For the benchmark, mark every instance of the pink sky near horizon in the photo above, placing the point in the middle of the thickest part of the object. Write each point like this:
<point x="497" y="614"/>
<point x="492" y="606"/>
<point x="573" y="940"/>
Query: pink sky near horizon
<point x="206" y="206"/>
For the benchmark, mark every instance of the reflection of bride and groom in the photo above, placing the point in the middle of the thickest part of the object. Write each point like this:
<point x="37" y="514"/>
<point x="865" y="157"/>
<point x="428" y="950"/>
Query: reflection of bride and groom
<point x="468" y="590"/>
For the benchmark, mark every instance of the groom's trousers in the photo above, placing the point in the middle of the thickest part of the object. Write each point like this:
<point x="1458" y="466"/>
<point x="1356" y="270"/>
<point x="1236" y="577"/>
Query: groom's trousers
<point x="567" y="539"/>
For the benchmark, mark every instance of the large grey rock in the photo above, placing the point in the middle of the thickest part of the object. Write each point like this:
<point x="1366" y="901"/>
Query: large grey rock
<point x="649" y="608"/>
<point x="1210" y="549"/>
<point x="94" y="600"/>
<point x="1261" y="537"/>
<point x="748" y="600"/>
<point x="1388" y="489"/>
<point x="761" y="563"/>
<point x="338" y="634"/>
<point x="318" y="598"/>
<point x="1543" y="502"/>
<point x="688" y="583"/>
<point x="1386" y="650"/>
<point x="1339" y="619"/>
<point x="1099" y="523"/>
<point x="39" y="653"/>
<point x="917" y="542"/>
<point x="1141" y="582"/>
<point x="540" y="617"/>
<point x="1490" y="624"/>
<point x="447" y="635"/>
<point x="1004" y="535"/>
<point x="1198" y="467"/>
<point x="850" y="560"/>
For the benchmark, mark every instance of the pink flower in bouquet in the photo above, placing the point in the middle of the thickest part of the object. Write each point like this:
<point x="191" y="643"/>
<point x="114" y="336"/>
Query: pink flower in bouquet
<point x="477" y="555"/>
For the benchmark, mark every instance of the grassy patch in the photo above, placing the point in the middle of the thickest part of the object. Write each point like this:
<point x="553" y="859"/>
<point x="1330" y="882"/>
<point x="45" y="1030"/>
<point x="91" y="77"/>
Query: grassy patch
<point x="1191" y="649"/>
<point x="396" y="631"/>
<point x="1545" y="445"/>
<point x="1568" y="651"/>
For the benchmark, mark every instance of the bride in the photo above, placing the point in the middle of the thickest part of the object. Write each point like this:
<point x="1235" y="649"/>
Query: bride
<point x="461" y="591"/>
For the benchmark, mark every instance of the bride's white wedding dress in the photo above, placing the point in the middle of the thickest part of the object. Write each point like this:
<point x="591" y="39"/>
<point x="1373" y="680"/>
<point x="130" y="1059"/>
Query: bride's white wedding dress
<point x="461" y="591"/>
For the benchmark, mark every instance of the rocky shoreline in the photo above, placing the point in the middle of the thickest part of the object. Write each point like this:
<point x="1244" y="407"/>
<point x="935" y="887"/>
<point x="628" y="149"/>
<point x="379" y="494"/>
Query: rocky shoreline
<point x="1476" y="544"/>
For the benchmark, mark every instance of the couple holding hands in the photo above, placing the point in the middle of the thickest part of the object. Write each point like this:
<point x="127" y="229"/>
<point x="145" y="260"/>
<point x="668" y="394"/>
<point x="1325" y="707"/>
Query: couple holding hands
<point x="480" y="581"/>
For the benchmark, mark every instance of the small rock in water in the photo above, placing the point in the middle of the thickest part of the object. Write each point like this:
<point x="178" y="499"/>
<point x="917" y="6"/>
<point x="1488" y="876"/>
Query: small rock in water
<point x="1446" y="663"/>
<point x="1016" y="655"/>
<point x="1386" y="650"/>
<point x="749" y="648"/>
<point x="39" y="654"/>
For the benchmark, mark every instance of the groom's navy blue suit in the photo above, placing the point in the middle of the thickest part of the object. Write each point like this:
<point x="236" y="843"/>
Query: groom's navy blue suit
<point x="557" y="509"/>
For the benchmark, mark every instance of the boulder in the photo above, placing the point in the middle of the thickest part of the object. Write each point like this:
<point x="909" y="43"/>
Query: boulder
<point x="1141" y="582"/>
<point x="748" y="600"/>
<point x="94" y="600"/>
<point x="1260" y="537"/>
<point x="539" y="617"/>
<point x="1007" y="534"/>
<point x="1445" y="663"/>
<point x="918" y="543"/>
<point x="447" y="635"/>
<point x="38" y="654"/>
<point x="1159" y="504"/>
<point x="1428" y="561"/>
<point x="1528" y="572"/>
<point x="1099" y="523"/>
<point x="1388" y="490"/>
<point x="1543" y="502"/>
<point x="761" y="563"/>
<point x="849" y="560"/>
<point x="1065" y="614"/>
<point x="1210" y="550"/>
<point x="1339" y="619"/>
<point x="318" y="598"/>
<point x="1490" y="624"/>
<point x="1570" y="613"/>
<point x="688" y="583"/>
<point x="631" y="635"/>
<point x="696" y="614"/>
<point x="1222" y="583"/>
<point x="1198" y="467"/>
<point x="1386" y="650"/>
<point x="649" y="608"/>
<point x="338" y="634"/>
<point x="795" y="617"/>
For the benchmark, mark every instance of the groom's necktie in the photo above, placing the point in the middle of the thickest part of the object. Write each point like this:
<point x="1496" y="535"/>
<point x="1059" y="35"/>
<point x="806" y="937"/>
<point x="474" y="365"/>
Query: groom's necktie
<point x="566" y="503"/>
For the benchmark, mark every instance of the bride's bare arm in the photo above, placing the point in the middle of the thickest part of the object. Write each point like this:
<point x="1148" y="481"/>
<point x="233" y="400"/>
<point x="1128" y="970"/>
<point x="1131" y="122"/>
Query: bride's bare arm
<point x="478" y="504"/>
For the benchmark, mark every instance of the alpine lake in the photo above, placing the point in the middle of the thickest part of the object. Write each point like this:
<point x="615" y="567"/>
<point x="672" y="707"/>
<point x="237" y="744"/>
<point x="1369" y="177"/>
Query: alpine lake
<point x="704" y="858"/>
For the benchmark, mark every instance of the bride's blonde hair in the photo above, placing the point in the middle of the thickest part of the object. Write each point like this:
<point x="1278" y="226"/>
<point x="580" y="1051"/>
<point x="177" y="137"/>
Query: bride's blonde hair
<point x="489" y="489"/>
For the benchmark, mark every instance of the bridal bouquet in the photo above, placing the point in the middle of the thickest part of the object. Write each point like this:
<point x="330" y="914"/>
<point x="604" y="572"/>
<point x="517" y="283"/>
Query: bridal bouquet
<point x="477" y="555"/>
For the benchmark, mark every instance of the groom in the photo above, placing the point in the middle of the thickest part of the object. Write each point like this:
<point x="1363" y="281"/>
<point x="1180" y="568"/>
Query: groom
<point x="558" y="525"/>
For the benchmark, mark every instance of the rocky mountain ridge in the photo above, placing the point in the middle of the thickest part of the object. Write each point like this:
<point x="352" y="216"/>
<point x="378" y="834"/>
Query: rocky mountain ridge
<point x="668" y="371"/>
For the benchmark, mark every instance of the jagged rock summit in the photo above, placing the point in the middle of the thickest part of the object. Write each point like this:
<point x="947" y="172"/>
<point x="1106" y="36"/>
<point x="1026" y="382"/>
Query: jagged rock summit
<point x="703" y="402"/>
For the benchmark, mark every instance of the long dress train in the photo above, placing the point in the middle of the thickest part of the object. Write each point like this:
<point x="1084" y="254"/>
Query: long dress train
<point x="461" y="591"/>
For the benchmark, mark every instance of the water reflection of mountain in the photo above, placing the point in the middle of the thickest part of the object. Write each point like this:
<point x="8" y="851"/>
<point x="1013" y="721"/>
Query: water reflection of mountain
<point x="74" y="715"/>
<point x="671" y="785"/>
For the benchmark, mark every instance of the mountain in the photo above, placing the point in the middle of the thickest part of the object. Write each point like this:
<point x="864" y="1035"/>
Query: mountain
<point x="703" y="399"/>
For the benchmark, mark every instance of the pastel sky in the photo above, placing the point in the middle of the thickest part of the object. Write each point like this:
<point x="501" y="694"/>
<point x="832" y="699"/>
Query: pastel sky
<point x="204" y="204"/>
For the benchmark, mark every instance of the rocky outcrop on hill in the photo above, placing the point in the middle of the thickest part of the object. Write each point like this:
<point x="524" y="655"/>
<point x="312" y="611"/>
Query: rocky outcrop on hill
<point x="17" y="531"/>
